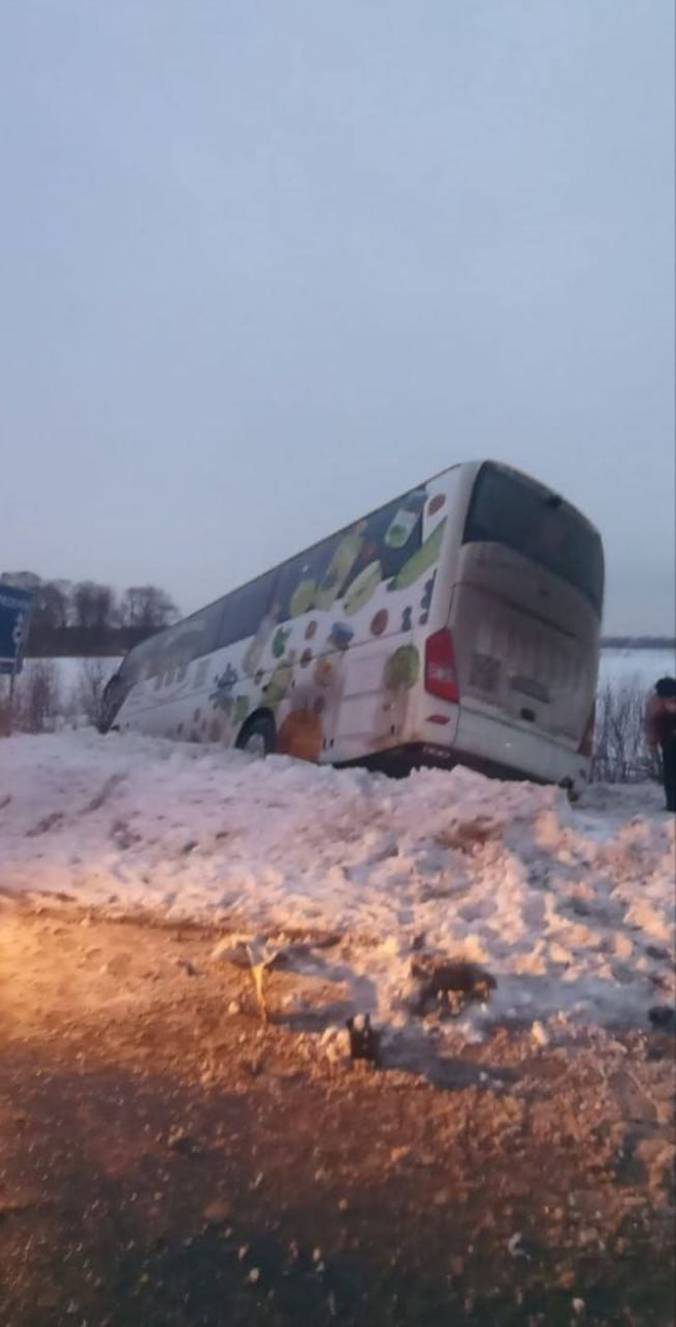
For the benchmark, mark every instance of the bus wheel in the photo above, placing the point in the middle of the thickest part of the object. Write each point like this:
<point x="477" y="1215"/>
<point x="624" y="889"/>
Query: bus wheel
<point x="258" y="736"/>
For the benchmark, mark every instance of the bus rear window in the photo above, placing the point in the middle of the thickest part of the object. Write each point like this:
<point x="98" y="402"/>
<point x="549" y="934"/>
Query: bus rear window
<point x="512" y="511"/>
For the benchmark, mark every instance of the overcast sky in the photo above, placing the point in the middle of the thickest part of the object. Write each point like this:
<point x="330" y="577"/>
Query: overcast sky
<point x="266" y="264"/>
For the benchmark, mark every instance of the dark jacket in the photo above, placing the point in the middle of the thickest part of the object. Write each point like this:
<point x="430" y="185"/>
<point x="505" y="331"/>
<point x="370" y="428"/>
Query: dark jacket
<point x="660" y="722"/>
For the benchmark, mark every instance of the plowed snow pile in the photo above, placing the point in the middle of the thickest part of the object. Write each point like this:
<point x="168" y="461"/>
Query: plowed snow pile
<point x="570" y="909"/>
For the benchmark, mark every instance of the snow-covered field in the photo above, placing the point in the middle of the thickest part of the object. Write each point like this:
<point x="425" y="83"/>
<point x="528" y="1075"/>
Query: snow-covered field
<point x="639" y="668"/>
<point x="571" y="909"/>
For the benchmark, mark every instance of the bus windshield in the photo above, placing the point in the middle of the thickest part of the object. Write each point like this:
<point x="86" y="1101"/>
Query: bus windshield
<point x="506" y="509"/>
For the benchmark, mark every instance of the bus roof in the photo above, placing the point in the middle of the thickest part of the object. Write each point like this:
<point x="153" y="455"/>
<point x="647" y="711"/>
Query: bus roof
<point x="475" y="465"/>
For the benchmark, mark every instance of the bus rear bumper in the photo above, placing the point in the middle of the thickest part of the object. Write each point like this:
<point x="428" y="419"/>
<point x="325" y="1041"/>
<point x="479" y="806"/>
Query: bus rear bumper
<point x="485" y="742"/>
<point x="399" y="761"/>
<point x="493" y="748"/>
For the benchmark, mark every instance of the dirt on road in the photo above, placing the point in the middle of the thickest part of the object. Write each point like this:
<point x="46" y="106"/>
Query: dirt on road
<point x="166" y="1161"/>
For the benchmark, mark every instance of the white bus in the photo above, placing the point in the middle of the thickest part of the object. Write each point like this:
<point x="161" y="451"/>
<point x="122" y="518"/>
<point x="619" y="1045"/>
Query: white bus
<point x="459" y="623"/>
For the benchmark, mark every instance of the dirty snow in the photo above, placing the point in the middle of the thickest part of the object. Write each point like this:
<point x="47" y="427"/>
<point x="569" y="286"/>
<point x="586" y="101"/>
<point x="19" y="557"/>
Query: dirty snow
<point x="571" y="909"/>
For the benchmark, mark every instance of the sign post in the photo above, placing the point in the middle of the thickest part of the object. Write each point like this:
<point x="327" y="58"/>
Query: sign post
<point x="15" y="614"/>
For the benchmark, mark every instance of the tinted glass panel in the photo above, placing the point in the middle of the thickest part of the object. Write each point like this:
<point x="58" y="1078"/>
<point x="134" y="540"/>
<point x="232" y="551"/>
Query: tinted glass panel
<point x="391" y="535"/>
<point x="242" y="610"/>
<point x="176" y="647"/>
<point x="299" y="580"/>
<point x="136" y="664"/>
<point x="532" y="521"/>
<point x="313" y="579"/>
<point x="322" y="575"/>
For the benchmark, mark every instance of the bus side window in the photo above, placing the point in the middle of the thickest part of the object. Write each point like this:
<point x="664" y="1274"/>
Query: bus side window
<point x="300" y="578"/>
<point x="201" y="672"/>
<point x="243" y="609"/>
<point x="392" y="534"/>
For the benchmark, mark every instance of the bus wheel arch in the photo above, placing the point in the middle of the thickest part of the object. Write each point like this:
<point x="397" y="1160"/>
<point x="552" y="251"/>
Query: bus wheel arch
<point x="258" y="734"/>
<point x="111" y="701"/>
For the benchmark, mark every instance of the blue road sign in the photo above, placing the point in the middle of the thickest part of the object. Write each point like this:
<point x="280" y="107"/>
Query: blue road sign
<point x="15" y="612"/>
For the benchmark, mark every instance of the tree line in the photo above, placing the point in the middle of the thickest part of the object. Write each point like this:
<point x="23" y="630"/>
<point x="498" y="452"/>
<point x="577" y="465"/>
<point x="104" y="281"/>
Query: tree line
<point x="639" y="642"/>
<point x="86" y="618"/>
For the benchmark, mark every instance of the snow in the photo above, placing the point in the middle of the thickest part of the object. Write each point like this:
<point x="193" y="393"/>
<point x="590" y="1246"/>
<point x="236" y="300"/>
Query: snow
<point x="636" y="667"/>
<point x="71" y="673"/>
<point x="69" y="670"/>
<point x="559" y="903"/>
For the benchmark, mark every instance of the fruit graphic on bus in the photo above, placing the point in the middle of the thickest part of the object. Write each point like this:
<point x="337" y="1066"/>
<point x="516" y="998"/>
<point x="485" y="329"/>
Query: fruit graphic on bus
<point x="427" y="593"/>
<point x="362" y="588"/>
<point x="256" y="647"/>
<point x="303" y="598"/>
<point x="241" y="710"/>
<point x="426" y="600"/>
<point x="340" y="636"/>
<point x="400" y="675"/>
<point x="400" y="529"/>
<point x="422" y="560"/>
<point x="225" y="682"/>
<point x="379" y="622"/>
<point x="340" y="566"/>
<point x="323" y="672"/>
<point x="300" y="735"/>
<point x="279" y="641"/>
<point x="279" y="683"/>
<point x="402" y="669"/>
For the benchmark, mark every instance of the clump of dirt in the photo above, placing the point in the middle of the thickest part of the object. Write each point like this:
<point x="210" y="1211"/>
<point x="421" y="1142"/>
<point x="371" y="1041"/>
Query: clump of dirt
<point x="451" y="983"/>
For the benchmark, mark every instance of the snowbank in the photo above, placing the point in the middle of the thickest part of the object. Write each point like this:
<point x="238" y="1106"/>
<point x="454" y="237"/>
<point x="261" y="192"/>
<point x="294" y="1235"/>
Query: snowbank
<point x="571" y="909"/>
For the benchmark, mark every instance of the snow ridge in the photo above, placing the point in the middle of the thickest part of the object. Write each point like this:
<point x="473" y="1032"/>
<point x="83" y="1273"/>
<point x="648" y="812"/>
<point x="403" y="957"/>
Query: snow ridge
<point x="571" y="909"/>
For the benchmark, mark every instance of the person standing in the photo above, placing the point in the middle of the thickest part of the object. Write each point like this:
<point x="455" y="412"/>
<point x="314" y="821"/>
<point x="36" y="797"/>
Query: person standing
<point x="661" y="732"/>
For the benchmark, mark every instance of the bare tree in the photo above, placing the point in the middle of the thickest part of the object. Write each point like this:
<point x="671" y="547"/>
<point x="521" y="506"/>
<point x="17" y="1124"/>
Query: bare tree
<point x="94" y="673"/>
<point x="50" y="608"/>
<point x="83" y="619"/>
<point x="147" y="608"/>
<point x="24" y="580"/>
<point x="38" y="701"/>
<point x="621" y="753"/>
<point x="94" y="606"/>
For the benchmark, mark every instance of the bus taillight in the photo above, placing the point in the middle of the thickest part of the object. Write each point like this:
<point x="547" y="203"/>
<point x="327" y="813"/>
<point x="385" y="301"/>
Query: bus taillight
<point x="441" y="678"/>
<point x="586" y="746"/>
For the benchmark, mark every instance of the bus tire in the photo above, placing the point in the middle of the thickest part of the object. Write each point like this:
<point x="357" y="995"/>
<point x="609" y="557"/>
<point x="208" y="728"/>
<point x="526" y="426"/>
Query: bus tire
<point x="258" y="735"/>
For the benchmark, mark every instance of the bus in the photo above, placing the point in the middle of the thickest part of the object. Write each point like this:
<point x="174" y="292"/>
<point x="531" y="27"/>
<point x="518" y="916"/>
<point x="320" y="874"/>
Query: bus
<point x="458" y="624"/>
